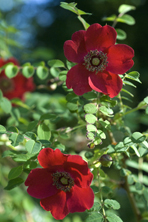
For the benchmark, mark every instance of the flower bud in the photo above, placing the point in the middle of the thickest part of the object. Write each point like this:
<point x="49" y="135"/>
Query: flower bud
<point x="106" y="160"/>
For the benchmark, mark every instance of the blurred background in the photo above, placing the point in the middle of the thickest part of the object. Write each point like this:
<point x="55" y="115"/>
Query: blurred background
<point x="37" y="32"/>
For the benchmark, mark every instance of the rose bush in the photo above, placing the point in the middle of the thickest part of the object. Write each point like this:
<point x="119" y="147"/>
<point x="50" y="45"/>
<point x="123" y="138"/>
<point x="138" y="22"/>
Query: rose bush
<point x="99" y="60"/>
<point x="63" y="184"/>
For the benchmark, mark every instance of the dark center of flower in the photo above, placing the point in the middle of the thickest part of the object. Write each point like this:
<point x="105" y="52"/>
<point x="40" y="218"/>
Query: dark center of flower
<point x="63" y="181"/>
<point x="6" y="85"/>
<point x="95" y="61"/>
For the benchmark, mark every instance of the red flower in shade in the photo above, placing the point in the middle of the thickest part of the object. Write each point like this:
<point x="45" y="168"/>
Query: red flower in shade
<point x="63" y="184"/>
<point x="17" y="86"/>
<point x="99" y="60"/>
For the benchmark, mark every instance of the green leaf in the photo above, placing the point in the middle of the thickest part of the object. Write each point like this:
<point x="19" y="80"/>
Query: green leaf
<point x="130" y="179"/>
<point x="72" y="7"/>
<point x="90" y="108"/>
<point x="134" y="75"/>
<point x="90" y="136"/>
<point x="101" y="134"/>
<point x="2" y="129"/>
<point x="30" y="135"/>
<point x="45" y="143"/>
<point x="126" y="91"/>
<point x="96" y="207"/>
<point x="105" y="124"/>
<point x="32" y="146"/>
<point x="89" y="154"/>
<point x="1" y="95"/>
<point x="121" y="35"/>
<point x="95" y="189"/>
<point x="111" y="18"/>
<point x="72" y="106"/>
<point x="11" y="71"/>
<point x="90" y="95"/>
<point x="72" y="97"/>
<point x="125" y="172"/>
<point x="14" y="183"/>
<point x="16" y="139"/>
<point x="43" y="132"/>
<point x="84" y="23"/>
<point x="136" y="150"/>
<point x="10" y="153"/>
<point x="22" y="157"/>
<point x="54" y="71"/>
<point x="90" y="118"/>
<point x="112" y="204"/>
<point x="95" y="217"/>
<point x="15" y="172"/>
<point x="91" y="128"/>
<point x="5" y="105"/>
<point x="28" y="71"/>
<point x="42" y="72"/>
<point x="138" y="137"/>
<point x="12" y="129"/>
<point x="111" y="217"/>
<point x="97" y="140"/>
<point x="32" y="125"/>
<point x="128" y="19"/>
<point x="56" y="63"/>
<point x="63" y="75"/>
<point x="126" y="8"/>
<point x="139" y="186"/>
<point x="49" y="116"/>
<point x="106" y="111"/>
<point x="70" y="64"/>
<point x="19" y="102"/>
<point x="129" y="83"/>
<point x="146" y="100"/>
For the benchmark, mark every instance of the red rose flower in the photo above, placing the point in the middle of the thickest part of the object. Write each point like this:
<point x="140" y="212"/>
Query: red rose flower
<point x="16" y="86"/>
<point x="99" y="60"/>
<point x="63" y="184"/>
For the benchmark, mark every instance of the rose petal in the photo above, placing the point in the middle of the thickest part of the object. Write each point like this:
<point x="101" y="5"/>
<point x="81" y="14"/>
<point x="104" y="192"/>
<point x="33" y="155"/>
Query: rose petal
<point x="52" y="159"/>
<point x="120" y="58"/>
<point x="40" y="183"/>
<point x="100" y="38"/>
<point x="78" y="169"/>
<point x="77" y="79"/>
<point x="107" y="83"/>
<point x="75" y="49"/>
<point x="80" y="199"/>
<point x="76" y="161"/>
<point x="56" y="204"/>
<point x="80" y="179"/>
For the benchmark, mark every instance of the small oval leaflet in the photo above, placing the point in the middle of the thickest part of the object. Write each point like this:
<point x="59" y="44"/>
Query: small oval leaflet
<point x="90" y="118"/>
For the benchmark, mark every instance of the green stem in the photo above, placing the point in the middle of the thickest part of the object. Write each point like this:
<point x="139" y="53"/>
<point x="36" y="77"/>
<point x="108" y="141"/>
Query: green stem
<point x="101" y="199"/>
<point x="130" y="111"/>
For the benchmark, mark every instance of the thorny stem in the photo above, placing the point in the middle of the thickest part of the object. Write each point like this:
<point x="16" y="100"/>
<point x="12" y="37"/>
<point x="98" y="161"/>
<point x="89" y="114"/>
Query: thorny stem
<point x="131" y="198"/>
<point x="132" y="201"/>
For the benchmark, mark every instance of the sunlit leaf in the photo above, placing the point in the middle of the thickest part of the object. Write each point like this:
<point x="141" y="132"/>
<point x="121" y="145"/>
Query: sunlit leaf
<point x="11" y="70"/>
<point x="28" y="71"/>
<point x="121" y="35"/>
<point x="126" y="8"/>
<point x="56" y="63"/>
<point x="42" y="72"/>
